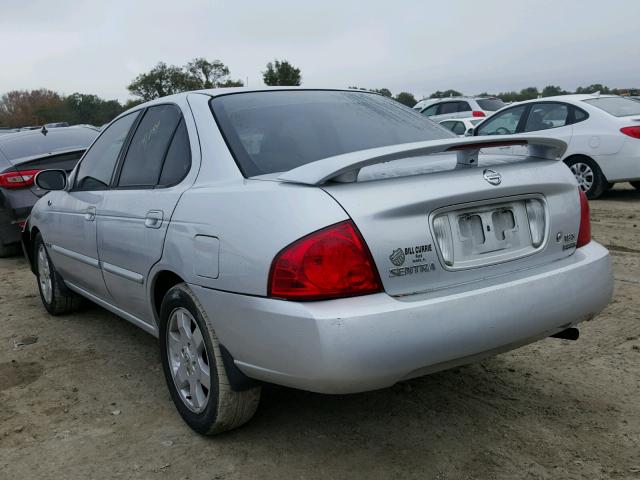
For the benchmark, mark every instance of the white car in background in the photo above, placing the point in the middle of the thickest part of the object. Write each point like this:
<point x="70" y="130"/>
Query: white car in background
<point x="459" y="107"/>
<point x="602" y="133"/>
<point x="460" y="126"/>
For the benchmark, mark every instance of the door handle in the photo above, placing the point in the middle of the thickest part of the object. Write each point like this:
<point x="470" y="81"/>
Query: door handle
<point x="153" y="219"/>
<point x="90" y="214"/>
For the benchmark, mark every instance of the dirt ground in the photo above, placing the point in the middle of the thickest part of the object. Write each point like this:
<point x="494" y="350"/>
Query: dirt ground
<point x="87" y="400"/>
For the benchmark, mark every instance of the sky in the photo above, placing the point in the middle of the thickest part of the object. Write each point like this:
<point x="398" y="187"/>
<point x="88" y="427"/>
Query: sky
<point x="99" y="46"/>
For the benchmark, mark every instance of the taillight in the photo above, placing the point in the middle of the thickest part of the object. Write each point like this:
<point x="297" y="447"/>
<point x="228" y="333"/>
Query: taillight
<point x="584" y="234"/>
<point x="478" y="113"/>
<point x="17" y="179"/>
<point x="631" y="131"/>
<point x="331" y="263"/>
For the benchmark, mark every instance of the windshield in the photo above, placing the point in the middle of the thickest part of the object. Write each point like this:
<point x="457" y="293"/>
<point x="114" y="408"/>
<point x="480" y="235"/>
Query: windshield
<point x="616" y="106"/>
<point x="277" y="131"/>
<point x="490" y="104"/>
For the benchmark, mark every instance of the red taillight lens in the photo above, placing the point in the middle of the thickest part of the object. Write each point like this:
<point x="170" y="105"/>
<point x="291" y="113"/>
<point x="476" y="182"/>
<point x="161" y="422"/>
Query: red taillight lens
<point x="631" y="131"/>
<point x="331" y="263"/>
<point x="18" y="179"/>
<point x="584" y="234"/>
<point x="478" y="113"/>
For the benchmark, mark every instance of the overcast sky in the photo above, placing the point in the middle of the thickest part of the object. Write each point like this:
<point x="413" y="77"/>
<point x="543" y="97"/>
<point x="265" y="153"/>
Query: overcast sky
<point x="99" y="46"/>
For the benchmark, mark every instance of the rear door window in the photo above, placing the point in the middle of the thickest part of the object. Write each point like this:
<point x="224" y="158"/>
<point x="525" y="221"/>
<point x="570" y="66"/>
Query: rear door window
<point x="504" y="123"/>
<point x="449" y="124"/>
<point x="464" y="107"/>
<point x="143" y="162"/>
<point x="178" y="160"/>
<point x="97" y="166"/>
<point x="544" y="116"/>
<point x="449" y="107"/>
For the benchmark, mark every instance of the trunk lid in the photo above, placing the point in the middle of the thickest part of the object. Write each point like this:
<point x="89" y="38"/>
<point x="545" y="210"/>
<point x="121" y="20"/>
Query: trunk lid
<point x="490" y="224"/>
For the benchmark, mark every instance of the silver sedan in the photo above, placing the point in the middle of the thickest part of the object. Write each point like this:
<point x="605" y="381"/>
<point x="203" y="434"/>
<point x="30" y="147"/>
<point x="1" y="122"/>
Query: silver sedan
<point x="333" y="241"/>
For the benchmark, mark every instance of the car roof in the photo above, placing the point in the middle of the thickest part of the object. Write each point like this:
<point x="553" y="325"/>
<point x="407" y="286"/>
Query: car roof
<point x="33" y="143"/>
<point x="574" y="97"/>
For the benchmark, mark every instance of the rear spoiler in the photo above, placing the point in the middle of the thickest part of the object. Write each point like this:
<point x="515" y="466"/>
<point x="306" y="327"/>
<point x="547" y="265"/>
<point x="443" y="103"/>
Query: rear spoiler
<point x="344" y="168"/>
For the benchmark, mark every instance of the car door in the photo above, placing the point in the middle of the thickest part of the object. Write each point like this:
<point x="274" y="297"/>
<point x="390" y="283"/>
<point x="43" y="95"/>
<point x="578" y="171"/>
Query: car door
<point x="507" y="122"/>
<point x="69" y="227"/>
<point x="133" y="217"/>
<point x="547" y="119"/>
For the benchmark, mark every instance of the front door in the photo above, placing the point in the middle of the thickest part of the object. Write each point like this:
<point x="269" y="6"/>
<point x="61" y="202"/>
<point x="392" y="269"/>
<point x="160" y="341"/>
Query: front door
<point x="69" y="226"/>
<point x="133" y="218"/>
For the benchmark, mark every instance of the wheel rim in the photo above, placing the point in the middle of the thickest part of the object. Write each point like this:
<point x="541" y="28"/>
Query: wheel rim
<point x="188" y="360"/>
<point x="44" y="274"/>
<point x="584" y="175"/>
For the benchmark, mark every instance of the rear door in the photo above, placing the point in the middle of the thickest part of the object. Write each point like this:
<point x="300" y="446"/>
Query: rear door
<point x="133" y="216"/>
<point x="69" y="226"/>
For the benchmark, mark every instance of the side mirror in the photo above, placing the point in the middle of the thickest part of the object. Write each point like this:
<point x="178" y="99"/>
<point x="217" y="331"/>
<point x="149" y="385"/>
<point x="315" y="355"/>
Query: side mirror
<point x="469" y="133"/>
<point x="51" y="179"/>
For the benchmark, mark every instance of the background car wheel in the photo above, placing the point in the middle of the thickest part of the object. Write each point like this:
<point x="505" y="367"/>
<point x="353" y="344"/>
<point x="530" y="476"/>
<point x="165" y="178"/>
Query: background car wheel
<point x="589" y="176"/>
<point x="635" y="185"/>
<point x="193" y="367"/>
<point x="55" y="295"/>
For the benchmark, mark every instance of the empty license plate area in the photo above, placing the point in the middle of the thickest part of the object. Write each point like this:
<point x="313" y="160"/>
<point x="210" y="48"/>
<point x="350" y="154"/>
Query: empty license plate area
<point x="479" y="236"/>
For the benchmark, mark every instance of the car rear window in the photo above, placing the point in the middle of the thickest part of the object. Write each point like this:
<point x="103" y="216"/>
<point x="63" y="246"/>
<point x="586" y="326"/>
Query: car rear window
<point x="490" y="104"/>
<point x="34" y="143"/>
<point x="616" y="106"/>
<point x="277" y="131"/>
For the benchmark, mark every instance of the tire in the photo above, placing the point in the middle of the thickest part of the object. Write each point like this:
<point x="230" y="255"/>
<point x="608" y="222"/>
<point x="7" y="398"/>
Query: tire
<point x="189" y="348"/>
<point x="589" y="176"/>
<point x="610" y="185"/>
<point x="55" y="295"/>
<point x="635" y="185"/>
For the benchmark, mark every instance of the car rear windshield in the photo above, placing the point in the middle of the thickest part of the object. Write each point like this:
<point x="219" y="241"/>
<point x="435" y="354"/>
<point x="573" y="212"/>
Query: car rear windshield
<point x="277" y="131"/>
<point x="616" y="106"/>
<point x="34" y="143"/>
<point x="490" y="104"/>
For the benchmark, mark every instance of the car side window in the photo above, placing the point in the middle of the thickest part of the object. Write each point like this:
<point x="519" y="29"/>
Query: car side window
<point x="430" y="111"/>
<point x="504" y="123"/>
<point x="578" y="114"/>
<point x="458" y="128"/>
<point x="97" y="166"/>
<point x="449" y="125"/>
<point x="178" y="160"/>
<point x="449" y="107"/>
<point x="464" y="107"/>
<point x="544" y="116"/>
<point x="143" y="162"/>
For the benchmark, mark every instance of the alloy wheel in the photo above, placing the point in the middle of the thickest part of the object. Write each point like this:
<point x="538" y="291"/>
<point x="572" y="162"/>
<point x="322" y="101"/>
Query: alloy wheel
<point x="584" y="175"/>
<point x="188" y="360"/>
<point x="44" y="274"/>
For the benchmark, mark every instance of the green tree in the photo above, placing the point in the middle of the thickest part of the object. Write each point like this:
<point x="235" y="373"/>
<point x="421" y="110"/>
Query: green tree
<point x="445" y="94"/>
<point x="385" y="92"/>
<point x="281" y="73"/>
<point x="552" y="90"/>
<point x="406" y="98"/>
<point x="91" y="109"/>
<point x="206" y="74"/>
<point x="596" y="87"/>
<point x="160" y="81"/>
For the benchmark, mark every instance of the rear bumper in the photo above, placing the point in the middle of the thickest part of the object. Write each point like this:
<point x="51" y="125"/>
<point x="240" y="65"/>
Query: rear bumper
<point x="370" y="342"/>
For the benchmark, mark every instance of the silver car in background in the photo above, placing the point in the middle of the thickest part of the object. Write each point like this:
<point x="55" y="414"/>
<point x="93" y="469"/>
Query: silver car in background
<point x="332" y="241"/>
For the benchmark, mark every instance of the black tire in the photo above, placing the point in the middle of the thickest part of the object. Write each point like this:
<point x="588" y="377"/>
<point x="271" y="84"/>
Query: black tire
<point x="225" y="409"/>
<point x="635" y="185"/>
<point x="598" y="181"/>
<point x="610" y="185"/>
<point x="62" y="300"/>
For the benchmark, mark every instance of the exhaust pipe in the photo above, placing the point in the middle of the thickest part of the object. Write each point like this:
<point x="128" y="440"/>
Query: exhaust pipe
<point x="568" y="334"/>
